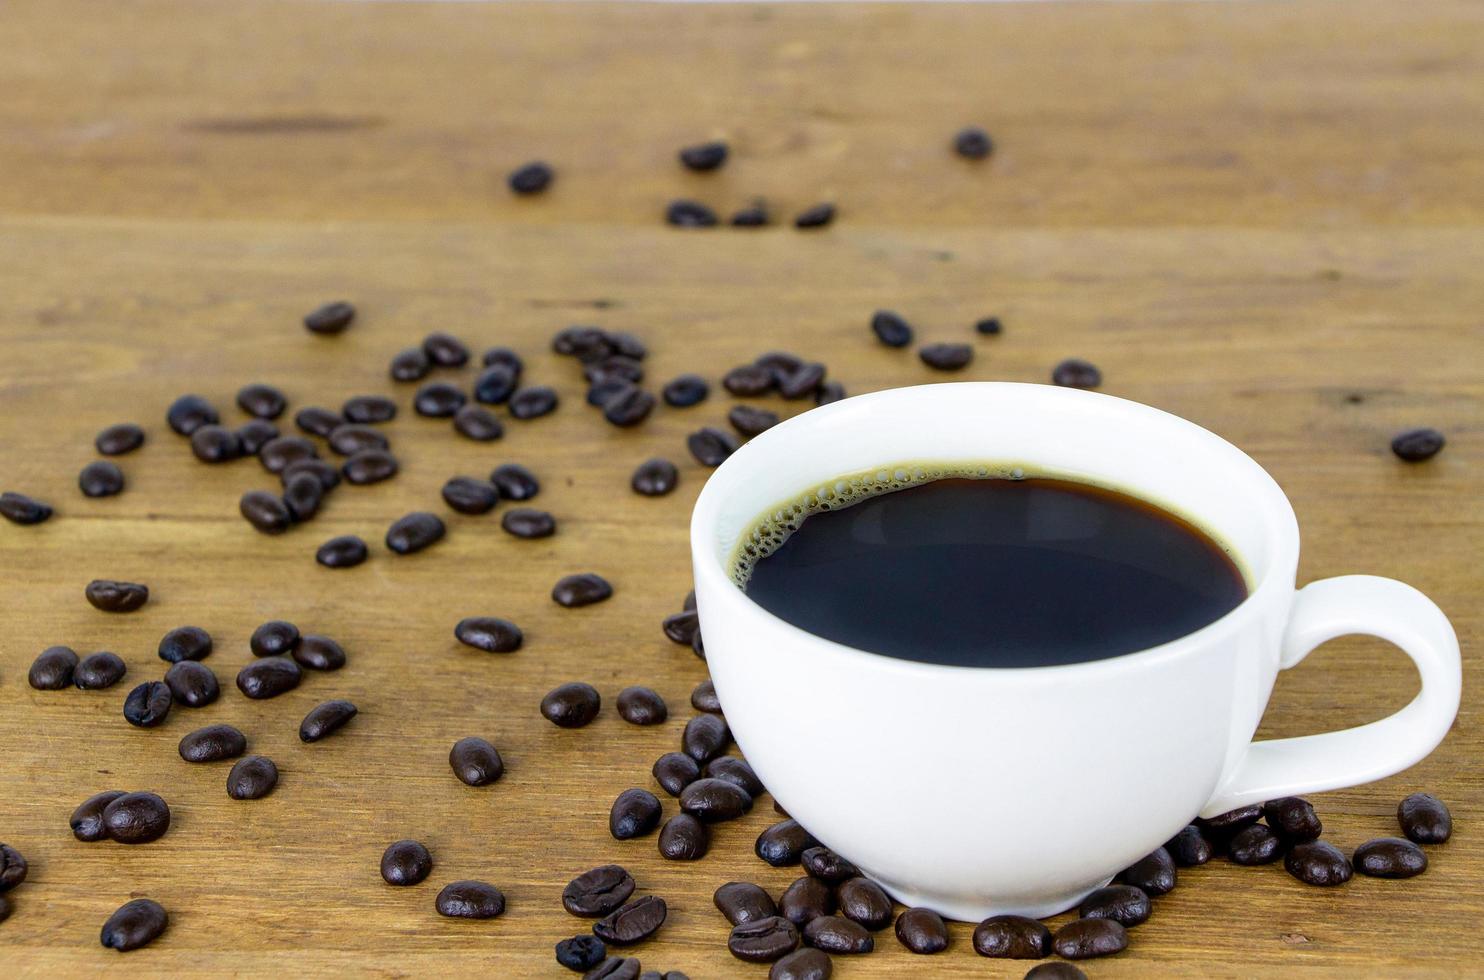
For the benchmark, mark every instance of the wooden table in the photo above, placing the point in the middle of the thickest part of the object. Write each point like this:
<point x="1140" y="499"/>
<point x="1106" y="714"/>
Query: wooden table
<point x="1266" y="217"/>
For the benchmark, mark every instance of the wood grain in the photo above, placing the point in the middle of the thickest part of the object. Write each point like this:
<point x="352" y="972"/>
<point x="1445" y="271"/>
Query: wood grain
<point x="1268" y="218"/>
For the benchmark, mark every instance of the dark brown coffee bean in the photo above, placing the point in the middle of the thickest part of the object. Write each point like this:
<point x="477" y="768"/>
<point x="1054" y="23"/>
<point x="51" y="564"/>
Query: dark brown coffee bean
<point x="779" y="363"/>
<point x="252" y="778"/>
<point x="514" y="482"/>
<point x="763" y="940"/>
<point x="1228" y="823"/>
<point x="99" y="670"/>
<point x="503" y="356"/>
<point x="862" y="900"/>
<point x="135" y="924"/>
<point x="532" y="178"/>
<point x="826" y="865"/>
<point x="185" y="643"/>
<point x="689" y="214"/>
<point x="108" y="595"/>
<point x="1390" y="857"/>
<point x="1014" y="937"/>
<point x="586" y="343"/>
<point x="818" y="216"/>
<point x="1424" y="819"/>
<point x="807" y="898"/>
<point x="410" y="365"/>
<point x="13" y="868"/>
<point x="331" y="318"/>
<point x="697" y="647"/>
<point x="754" y="215"/>
<point x="946" y="357"/>
<point x="479" y="424"/>
<point x="714" y="800"/>
<point x="705" y="737"/>
<point x="681" y="627"/>
<point x="21" y="509"/>
<point x="582" y="589"/>
<point x="1054" y="971"/>
<point x="702" y="157"/>
<point x="891" y="329"/>
<point x="1188" y="848"/>
<point x="711" y="446"/>
<point x="325" y="720"/>
<point x="87" y="820"/>
<point x="1125" y="904"/>
<point x="597" y="892"/>
<point x="527" y="522"/>
<point x="274" y="638"/>
<point x="1293" y="819"/>
<point x="801" y="382"/>
<point x="370" y="466"/>
<point x="262" y="401"/>
<point x="1076" y="373"/>
<point x="1154" y="874"/>
<point x="414" y="532"/>
<point x="349" y="438"/>
<point x="268" y="678"/>
<point x="742" y="902"/>
<point x="148" y="704"/>
<point x="116" y="440"/>
<point x="327" y="475"/>
<point x="686" y="390"/>
<point x="276" y="455"/>
<point x="635" y="813"/>
<point x="675" y="771"/>
<point x="470" y="900"/>
<point x="192" y="684"/>
<point x="102" y="478"/>
<point x="1255" y="844"/>
<point x="751" y="421"/>
<point x="751" y="380"/>
<point x="990" y="326"/>
<point x="972" y="143"/>
<point x="475" y="761"/>
<point x="629" y="407"/>
<point x="1085" y="938"/>
<point x="704" y="698"/>
<point x="317" y="421"/>
<point x="254" y="434"/>
<point x="489" y="633"/>
<point x="318" y="652"/>
<point x="837" y="934"/>
<point x="136" y="818"/>
<point x="614" y="366"/>
<point x="633" y="922"/>
<point x="53" y="669"/>
<point x="302" y="495"/>
<point x="735" y="770"/>
<point x="802" y="964"/>
<point x="188" y="413"/>
<point x="571" y="705"/>
<point x="214" y="743"/>
<point x="345" y="551"/>
<point x="606" y="389"/>
<point x="581" y="952"/>
<point x="530" y="403"/>
<point x="922" y="931"/>
<point x="1319" y="863"/>
<point x="405" y="862"/>
<point x="783" y="843"/>
<point x="615" y="968"/>
<point x="642" y="706"/>
<point x="1416" y="445"/>
<point x="438" y="400"/>
<point x="266" y="512"/>
<point x="684" y="838"/>
<point x="469" y="495"/>
<point x="655" y="477"/>
<point x="445" y="350"/>
<point x="368" y="409"/>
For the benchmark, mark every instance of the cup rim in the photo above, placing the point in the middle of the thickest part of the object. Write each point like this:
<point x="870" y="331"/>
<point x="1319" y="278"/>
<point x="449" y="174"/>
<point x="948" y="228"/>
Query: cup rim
<point x="1280" y="528"/>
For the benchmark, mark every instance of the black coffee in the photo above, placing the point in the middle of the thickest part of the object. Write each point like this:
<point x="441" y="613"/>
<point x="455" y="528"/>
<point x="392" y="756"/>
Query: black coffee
<point x="991" y="572"/>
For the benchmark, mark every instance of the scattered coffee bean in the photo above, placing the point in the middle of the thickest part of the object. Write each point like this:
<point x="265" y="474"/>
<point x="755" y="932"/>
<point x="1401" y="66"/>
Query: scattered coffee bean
<point x="1014" y="937"/>
<point x="470" y="900"/>
<point x="410" y="365"/>
<point x="581" y="952"/>
<point x="87" y="820"/>
<point x="989" y="326"/>
<point x="704" y="698"/>
<point x="252" y="777"/>
<point x="642" y="706"/>
<point x="764" y="940"/>
<point x="192" y="684"/>
<point x="254" y="434"/>
<point x="530" y="403"/>
<point x="325" y="719"/>
<point x="807" y="898"/>
<point x="582" y="589"/>
<point x="742" y="902"/>
<point x="136" y="818"/>
<point x="628" y="345"/>
<point x="268" y="678"/>
<point x="655" y="477"/>
<point x="862" y="900"/>
<point x="209" y="444"/>
<point x="586" y="343"/>
<point x="266" y="512"/>
<point x="675" y="771"/>
<point x="331" y="318"/>
<point x="527" y="522"/>
<point x="802" y="381"/>
<point x="681" y="627"/>
<point x="302" y="495"/>
<point x="405" y="862"/>
<point x="125" y="437"/>
<point x="891" y="329"/>
<point x="53" y="669"/>
<point x="533" y="178"/>
<point x="711" y="446"/>
<point x="946" y="357"/>
<point x="137" y="923"/>
<point x="818" y="216"/>
<point x="779" y="363"/>
<point x="614" y="366"/>
<point x="274" y="638"/>
<point x="489" y="633"/>
<point x="697" y="647"/>
<point x="214" y="743"/>
<point x="188" y="413"/>
<point x="414" y="532"/>
<point x="503" y="356"/>
<point x="1125" y="904"/>
<point x="972" y="143"/>
<point x="185" y="643"/>
<point x="689" y="214"/>
<point x="469" y="495"/>
<point x="1255" y="844"/>
<point x="922" y="931"/>
<point x="751" y="421"/>
<point x="735" y="770"/>
<point x="754" y="215"/>
<point x="686" y="390"/>
<point x="684" y="838"/>
<point x="635" y="813"/>
<point x="1228" y="823"/>
<point x="1390" y="857"/>
<point x="837" y="934"/>
<point x="598" y="892"/>
<point x="495" y="384"/>
<point x="370" y="466"/>
<point x="706" y="736"/>
<point x="350" y="438"/>
<point x="21" y="509"/>
<point x="714" y="800"/>
<point x="1154" y="874"/>
<point x="1054" y="971"/>
<point x="445" y="350"/>
<point x="751" y="380"/>
<point x="802" y="964"/>
<point x="1319" y="863"/>
<point x="317" y="421"/>
<point x="571" y="705"/>
<point x="438" y="399"/>
<point x="633" y="922"/>
<point x="1076" y="373"/>
<point x="1188" y="848"/>
<point x="629" y="407"/>
<point x="276" y="455"/>
<point x="13" y="868"/>
<point x="475" y="761"/>
<point x="1424" y="819"/>
<point x="148" y="704"/>
<point x="826" y="865"/>
<point x="615" y="968"/>
<point x="101" y="478"/>
<point x="327" y="475"/>
<point x="345" y="551"/>
<point x="479" y="424"/>
<point x="704" y="156"/>
<point x="1416" y="445"/>
<point x="1081" y="939"/>
<point x="99" y="670"/>
<point x="1293" y="819"/>
<point x="368" y="409"/>
<point x="605" y="390"/>
<point x="783" y="843"/>
<point x="514" y="482"/>
<point x="262" y="401"/>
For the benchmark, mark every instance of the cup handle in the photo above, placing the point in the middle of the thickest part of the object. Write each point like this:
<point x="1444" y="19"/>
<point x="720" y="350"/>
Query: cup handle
<point x="1343" y="606"/>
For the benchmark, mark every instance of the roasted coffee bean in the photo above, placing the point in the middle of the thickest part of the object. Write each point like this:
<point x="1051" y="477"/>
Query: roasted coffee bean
<point x="317" y="421"/>
<point x="193" y="685"/>
<point x="254" y="434"/>
<point x="763" y="940"/>
<point x="414" y="532"/>
<point x="268" y="678"/>
<point x="214" y="743"/>
<point x="108" y="595"/>
<point x="633" y="922"/>
<point x="331" y="318"/>
<point x="582" y="589"/>
<point x="714" y="800"/>
<point x="136" y="818"/>
<point x="262" y="401"/>
<point x="989" y="326"/>
<point x="350" y="438"/>
<point x="1054" y="971"/>
<point x="1014" y="937"/>
<point x="1081" y="939"/>
<point x="711" y="446"/>
<point x="185" y="643"/>
<point x="689" y="603"/>
<point x="318" y="652"/>
<point x="627" y="344"/>
<point x="615" y="968"/>
<point x="605" y="389"/>
<point x="327" y="475"/>
<point x="21" y="509"/>
<point x="99" y="670"/>
<point x="489" y="633"/>
<point x="274" y="638"/>
<point x="188" y="413"/>
<point x="325" y="720"/>
<point x="735" y="770"/>
<point x="530" y="403"/>
<point x="1188" y="848"/>
<point x="675" y="771"/>
<point x="345" y="551"/>
<point x="53" y="669"/>
<point x="681" y="627"/>
<point x="533" y="178"/>
<point x="642" y="706"/>
<point x="1076" y="373"/>
<point x="368" y="409"/>
<point x="125" y="437"/>
<point x="302" y="495"/>
<point x="752" y="216"/>
<point x="818" y="216"/>
<point x="102" y="478"/>
<point x="469" y="495"/>
<point x="689" y="214"/>
<point x="410" y="365"/>
<point x="826" y="865"/>
<point x="586" y="343"/>
<point x="581" y="952"/>
<point x="972" y="143"/>
<point x="148" y="704"/>
<point x="514" y="482"/>
<point x="87" y="820"/>
<point x="922" y="931"/>
<point x="614" y="366"/>
<point x="750" y="380"/>
<point x="571" y="705"/>
<point x="801" y="382"/>
<point x="135" y="924"/>
<point x="802" y="964"/>
<point x="405" y="862"/>
<point x="266" y="512"/>
<point x="686" y="390"/>
<point x="1390" y="857"/>
<point x="837" y="934"/>
<point x="1319" y="863"/>
<point x="635" y="813"/>
<point x="705" y="737"/>
<point x="862" y="900"/>
<point x="503" y="356"/>
<point x="697" y="647"/>
<point x="445" y="350"/>
<point x="276" y="455"/>
<point x="628" y="407"/>
<point x="1424" y="819"/>
<point x="684" y="838"/>
<point x="655" y="477"/>
<point x="479" y="424"/>
<point x="751" y="421"/>
<point x="527" y="522"/>
<point x="946" y="357"/>
<point x="1228" y="823"/>
<point x="703" y="698"/>
<point x="891" y="329"/>
<point x="1293" y="819"/>
<point x="1416" y="445"/>
<point x="470" y="900"/>
<point x="1255" y="844"/>
<point x="827" y="392"/>
<point x="704" y="156"/>
<point x="13" y="868"/>
<point x="370" y="466"/>
<point x="779" y="363"/>
<point x="1125" y="904"/>
<point x="1154" y="874"/>
<point x="807" y="898"/>
<point x="475" y="761"/>
<point x="783" y="843"/>
<point x="742" y="902"/>
<point x="252" y="777"/>
<point x="597" y="892"/>
<point x="438" y="399"/>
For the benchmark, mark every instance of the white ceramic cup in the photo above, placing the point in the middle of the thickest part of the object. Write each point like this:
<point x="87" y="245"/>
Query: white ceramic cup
<point x="980" y="791"/>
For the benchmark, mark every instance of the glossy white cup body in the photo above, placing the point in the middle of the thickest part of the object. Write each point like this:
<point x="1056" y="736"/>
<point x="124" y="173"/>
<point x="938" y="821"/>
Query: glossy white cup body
<point x="980" y="791"/>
